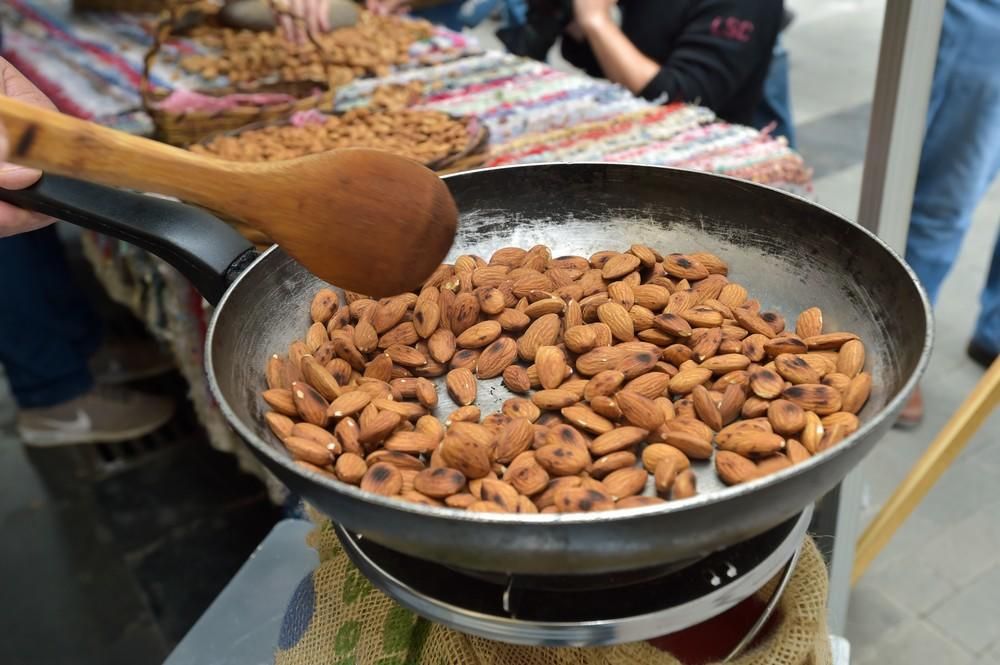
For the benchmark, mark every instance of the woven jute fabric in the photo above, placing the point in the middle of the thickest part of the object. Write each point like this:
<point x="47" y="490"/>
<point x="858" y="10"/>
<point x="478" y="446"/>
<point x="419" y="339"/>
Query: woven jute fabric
<point x="336" y="617"/>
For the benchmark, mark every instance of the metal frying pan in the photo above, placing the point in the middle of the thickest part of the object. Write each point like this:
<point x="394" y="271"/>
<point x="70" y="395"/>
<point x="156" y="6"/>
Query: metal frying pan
<point x="789" y="253"/>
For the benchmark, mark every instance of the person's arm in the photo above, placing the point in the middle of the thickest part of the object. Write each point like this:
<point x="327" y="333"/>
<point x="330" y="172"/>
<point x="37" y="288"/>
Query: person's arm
<point x="618" y="57"/>
<point x="722" y="44"/>
<point x="15" y="220"/>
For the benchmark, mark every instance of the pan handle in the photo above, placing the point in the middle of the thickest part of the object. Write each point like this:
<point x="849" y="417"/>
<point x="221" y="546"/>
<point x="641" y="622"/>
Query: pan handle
<point x="206" y="250"/>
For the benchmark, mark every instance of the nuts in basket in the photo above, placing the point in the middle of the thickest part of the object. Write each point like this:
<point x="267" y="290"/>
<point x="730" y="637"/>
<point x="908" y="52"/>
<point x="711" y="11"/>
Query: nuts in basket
<point x="425" y="136"/>
<point x="632" y="369"/>
<point x="368" y="48"/>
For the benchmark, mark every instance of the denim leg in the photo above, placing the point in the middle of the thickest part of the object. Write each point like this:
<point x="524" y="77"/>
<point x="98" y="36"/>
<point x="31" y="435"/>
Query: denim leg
<point x="47" y="330"/>
<point x="961" y="150"/>
<point x="988" y="326"/>
<point x="446" y="15"/>
<point x="776" y="104"/>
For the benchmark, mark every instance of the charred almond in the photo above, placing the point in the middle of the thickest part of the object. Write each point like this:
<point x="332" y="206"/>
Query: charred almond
<point x="562" y="459"/>
<point x="582" y="500"/>
<point x="766" y="384"/>
<point x="672" y="324"/>
<point x="734" y="469"/>
<point x="837" y="380"/>
<point x="795" y="370"/>
<point x="310" y="405"/>
<point x="817" y="397"/>
<point x="519" y="407"/>
<point x="748" y="442"/>
<point x="496" y="358"/>
<point x="723" y="364"/>
<point x="466" y="455"/>
<point x="787" y="418"/>
<point x="753" y="322"/>
<point x="461" y="384"/>
<point x="323" y="305"/>
<point x="684" y="266"/>
<point x="382" y="478"/>
<point x="625" y="482"/>
<point x="784" y="344"/>
<point x="500" y="493"/>
<point x="603" y="383"/>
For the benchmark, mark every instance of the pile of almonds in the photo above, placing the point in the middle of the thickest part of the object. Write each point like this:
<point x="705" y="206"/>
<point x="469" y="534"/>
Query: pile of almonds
<point x="369" y="48"/>
<point x="426" y="136"/>
<point x="635" y="368"/>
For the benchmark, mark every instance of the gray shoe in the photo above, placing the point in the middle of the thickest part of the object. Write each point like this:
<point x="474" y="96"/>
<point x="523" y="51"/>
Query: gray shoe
<point x="103" y="415"/>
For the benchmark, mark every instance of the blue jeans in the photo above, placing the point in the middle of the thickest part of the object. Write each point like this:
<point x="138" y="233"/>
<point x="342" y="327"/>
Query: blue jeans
<point x="776" y="104"/>
<point x="446" y="15"/>
<point x="961" y="153"/>
<point x="474" y="12"/>
<point x="47" y="330"/>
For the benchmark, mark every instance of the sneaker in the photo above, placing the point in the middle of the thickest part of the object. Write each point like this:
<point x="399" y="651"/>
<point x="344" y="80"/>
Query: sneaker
<point x="981" y="354"/>
<point x="103" y="415"/>
<point x="126" y="360"/>
<point x="913" y="412"/>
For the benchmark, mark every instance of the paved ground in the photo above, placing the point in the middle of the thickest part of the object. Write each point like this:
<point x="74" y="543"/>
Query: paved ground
<point x="108" y="575"/>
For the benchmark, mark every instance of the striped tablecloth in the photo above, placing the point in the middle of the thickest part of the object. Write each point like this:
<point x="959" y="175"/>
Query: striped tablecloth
<point x="91" y="65"/>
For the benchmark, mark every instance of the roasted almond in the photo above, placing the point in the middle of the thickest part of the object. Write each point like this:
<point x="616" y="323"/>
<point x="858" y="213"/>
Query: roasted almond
<point x="655" y="453"/>
<point x="379" y="427"/>
<point x="733" y="468"/>
<point x="603" y="383"/>
<point x="773" y="464"/>
<point x="544" y="331"/>
<point x="621" y="459"/>
<point x="514" y="438"/>
<point x="461" y="384"/>
<point x="465" y="454"/>
<point x="766" y="384"/>
<point x="323" y="305"/>
<point x="829" y="341"/>
<point x="684" y="266"/>
<point x="749" y="442"/>
<point x="848" y="421"/>
<point x="519" y="407"/>
<point x="639" y="410"/>
<point x="513" y="321"/>
<point x="551" y="365"/>
<point x="851" y="358"/>
<point x="563" y="459"/>
<point x="706" y="408"/>
<point x="582" y="500"/>
<point x="496" y="358"/>
<point x="672" y="324"/>
<point x="812" y="433"/>
<point x="617" y="318"/>
<point x="685" y="381"/>
<point x="619" y="265"/>
<point x="606" y="407"/>
<point x="651" y="296"/>
<point x="857" y="392"/>
<point x="516" y="379"/>
<point x="311" y="406"/>
<point x="625" y="482"/>
<point x="809" y="323"/>
<point x="586" y="419"/>
<point x="351" y="468"/>
<point x="413" y="443"/>
<point x="500" y="493"/>
<point x="553" y="400"/>
<point x="598" y="360"/>
<point x="653" y="384"/>
<point x="617" y="439"/>
<point x="733" y="399"/>
<point x="685" y="485"/>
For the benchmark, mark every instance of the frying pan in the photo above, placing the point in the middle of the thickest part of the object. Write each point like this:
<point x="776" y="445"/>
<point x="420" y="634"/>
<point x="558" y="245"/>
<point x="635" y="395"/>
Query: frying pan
<point x="790" y="253"/>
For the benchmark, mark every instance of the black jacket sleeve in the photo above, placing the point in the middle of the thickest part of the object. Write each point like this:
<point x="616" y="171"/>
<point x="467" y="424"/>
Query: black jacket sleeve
<point x="721" y="44"/>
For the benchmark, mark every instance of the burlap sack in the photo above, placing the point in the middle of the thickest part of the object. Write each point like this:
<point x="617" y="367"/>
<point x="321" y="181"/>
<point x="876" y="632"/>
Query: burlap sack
<point x="336" y="617"/>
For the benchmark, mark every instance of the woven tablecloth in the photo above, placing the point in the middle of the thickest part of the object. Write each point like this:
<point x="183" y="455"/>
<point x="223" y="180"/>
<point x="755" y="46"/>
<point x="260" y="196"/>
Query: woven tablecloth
<point x="91" y="64"/>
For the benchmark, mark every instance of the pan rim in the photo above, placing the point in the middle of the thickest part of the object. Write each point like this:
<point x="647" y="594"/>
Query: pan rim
<point x="725" y="495"/>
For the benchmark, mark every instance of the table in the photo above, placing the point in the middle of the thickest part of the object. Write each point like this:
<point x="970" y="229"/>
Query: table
<point x="91" y="66"/>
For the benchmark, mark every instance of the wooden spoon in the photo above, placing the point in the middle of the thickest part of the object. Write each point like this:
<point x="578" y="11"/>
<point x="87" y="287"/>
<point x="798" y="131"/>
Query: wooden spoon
<point x="364" y="220"/>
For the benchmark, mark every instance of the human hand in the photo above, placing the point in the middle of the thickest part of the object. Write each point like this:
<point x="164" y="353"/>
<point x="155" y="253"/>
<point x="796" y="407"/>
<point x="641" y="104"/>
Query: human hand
<point x="12" y="219"/>
<point x="587" y="13"/>
<point x="387" y="7"/>
<point x="305" y="17"/>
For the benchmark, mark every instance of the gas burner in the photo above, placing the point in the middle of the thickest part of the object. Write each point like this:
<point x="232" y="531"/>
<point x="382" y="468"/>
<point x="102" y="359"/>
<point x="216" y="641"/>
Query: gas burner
<point x="586" y="610"/>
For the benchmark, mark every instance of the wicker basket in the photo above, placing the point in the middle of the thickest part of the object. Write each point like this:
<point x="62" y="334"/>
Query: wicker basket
<point x="185" y="128"/>
<point x="473" y="155"/>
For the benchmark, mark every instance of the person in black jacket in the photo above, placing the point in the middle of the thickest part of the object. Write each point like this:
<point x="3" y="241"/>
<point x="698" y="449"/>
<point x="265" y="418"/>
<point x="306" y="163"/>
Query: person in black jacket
<point x="711" y="52"/>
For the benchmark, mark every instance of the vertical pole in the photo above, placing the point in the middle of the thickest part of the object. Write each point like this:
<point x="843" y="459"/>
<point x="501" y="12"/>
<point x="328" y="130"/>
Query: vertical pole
<point x="910" y="33"/>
